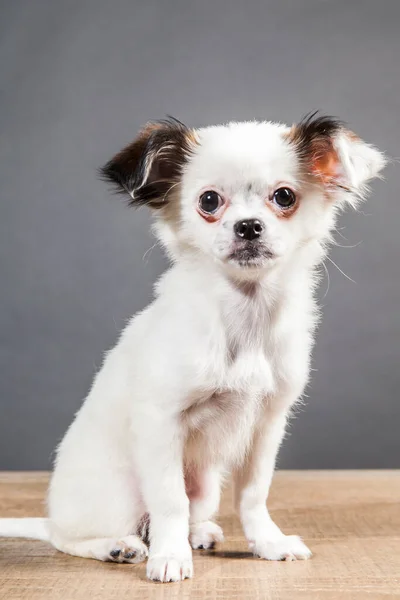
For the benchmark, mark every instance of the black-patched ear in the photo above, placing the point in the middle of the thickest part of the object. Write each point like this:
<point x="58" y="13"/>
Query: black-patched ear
<point x="152" y="164"/>
<point x="334" y="155"/>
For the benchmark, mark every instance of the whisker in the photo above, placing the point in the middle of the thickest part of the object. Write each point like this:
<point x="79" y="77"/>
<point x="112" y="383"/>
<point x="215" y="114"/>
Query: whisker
<point x="170" y="189"/>
<point x="340" y="270"/>
<point x="338" y="230"/>
<point x="148" y="251"/>
<point x="329" y="280"/>
<point x="344" y="246"/>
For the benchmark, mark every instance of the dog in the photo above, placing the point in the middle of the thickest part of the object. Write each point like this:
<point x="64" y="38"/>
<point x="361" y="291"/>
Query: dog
<point x="202" y="382"/>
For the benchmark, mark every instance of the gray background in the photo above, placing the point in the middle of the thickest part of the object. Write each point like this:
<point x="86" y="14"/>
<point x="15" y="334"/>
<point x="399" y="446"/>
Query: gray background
<point x="78" y="79"/>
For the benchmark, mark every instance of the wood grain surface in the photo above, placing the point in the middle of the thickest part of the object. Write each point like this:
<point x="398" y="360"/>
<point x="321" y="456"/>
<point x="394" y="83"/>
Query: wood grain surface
<point x="349" y="519"/>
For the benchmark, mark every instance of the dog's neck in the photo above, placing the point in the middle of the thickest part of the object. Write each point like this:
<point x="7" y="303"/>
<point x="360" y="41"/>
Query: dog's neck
<point x="234" y="290"/>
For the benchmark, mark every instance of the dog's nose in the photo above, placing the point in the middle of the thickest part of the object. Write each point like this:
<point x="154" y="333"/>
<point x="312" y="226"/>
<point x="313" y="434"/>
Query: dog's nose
<point x="250" y="229"/>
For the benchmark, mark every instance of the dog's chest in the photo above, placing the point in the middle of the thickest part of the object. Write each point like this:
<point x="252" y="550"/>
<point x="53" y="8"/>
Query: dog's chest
<point x="238" y="381"/>
<point x="248" y="354"/>
<point x="220" y="428"/>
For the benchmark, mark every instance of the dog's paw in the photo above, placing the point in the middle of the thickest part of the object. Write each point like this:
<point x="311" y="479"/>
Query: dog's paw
<point x="287" y="547"/>
<point x="169" y="568"/>
<point x="205" y="535"/>
<point x="129" y="549"/>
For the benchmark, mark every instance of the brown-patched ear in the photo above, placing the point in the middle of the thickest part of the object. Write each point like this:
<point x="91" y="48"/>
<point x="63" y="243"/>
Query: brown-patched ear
<point x="335" y="156"/>
<point x="152" y="164"/>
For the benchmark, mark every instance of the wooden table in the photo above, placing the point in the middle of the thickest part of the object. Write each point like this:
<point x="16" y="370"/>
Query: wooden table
<point x="350" y="520"/>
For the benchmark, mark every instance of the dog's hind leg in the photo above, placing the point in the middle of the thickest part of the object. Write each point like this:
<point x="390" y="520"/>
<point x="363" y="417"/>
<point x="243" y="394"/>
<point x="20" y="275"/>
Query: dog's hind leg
<point x="128" y="549"/>
<point x="203" y="486"/>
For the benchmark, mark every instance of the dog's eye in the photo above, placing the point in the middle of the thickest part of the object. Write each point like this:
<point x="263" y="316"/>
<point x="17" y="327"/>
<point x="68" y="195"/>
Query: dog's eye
<point x="210" y="202"/>
<point x="284" y="197"/>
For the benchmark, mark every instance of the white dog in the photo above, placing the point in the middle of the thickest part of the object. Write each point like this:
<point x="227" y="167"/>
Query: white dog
<point x="202" y="381"/>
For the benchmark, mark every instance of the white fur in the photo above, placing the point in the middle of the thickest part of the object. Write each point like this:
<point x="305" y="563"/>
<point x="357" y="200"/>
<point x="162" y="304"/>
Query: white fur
<point x="201" y="382"/>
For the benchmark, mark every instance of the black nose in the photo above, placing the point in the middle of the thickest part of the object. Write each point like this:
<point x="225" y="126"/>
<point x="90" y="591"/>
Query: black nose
<point x="250" y="229"/>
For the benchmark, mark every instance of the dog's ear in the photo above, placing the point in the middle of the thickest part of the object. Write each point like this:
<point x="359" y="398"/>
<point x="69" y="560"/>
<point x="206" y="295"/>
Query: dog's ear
<point x="152" y="164"/>
<point x="334" y="155"/>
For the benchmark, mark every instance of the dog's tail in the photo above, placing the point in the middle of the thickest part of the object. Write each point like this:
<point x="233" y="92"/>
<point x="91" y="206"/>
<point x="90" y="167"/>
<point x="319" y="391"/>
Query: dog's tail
<point x="34" y="529"/>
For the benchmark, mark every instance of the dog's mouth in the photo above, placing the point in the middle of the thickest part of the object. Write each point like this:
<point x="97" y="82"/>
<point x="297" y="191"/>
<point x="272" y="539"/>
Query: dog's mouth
<point x="249" y="254"/>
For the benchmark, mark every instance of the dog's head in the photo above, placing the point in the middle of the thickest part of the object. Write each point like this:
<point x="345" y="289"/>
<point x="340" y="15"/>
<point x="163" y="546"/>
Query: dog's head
<point x="248" y="195"/>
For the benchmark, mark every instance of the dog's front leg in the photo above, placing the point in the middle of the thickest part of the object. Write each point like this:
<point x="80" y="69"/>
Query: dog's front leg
<point x="252" y="483"/>
<point x="158" y="454"/>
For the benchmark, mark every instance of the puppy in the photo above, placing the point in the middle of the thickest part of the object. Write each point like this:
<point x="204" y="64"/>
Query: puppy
<point x="201" y="382"/>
